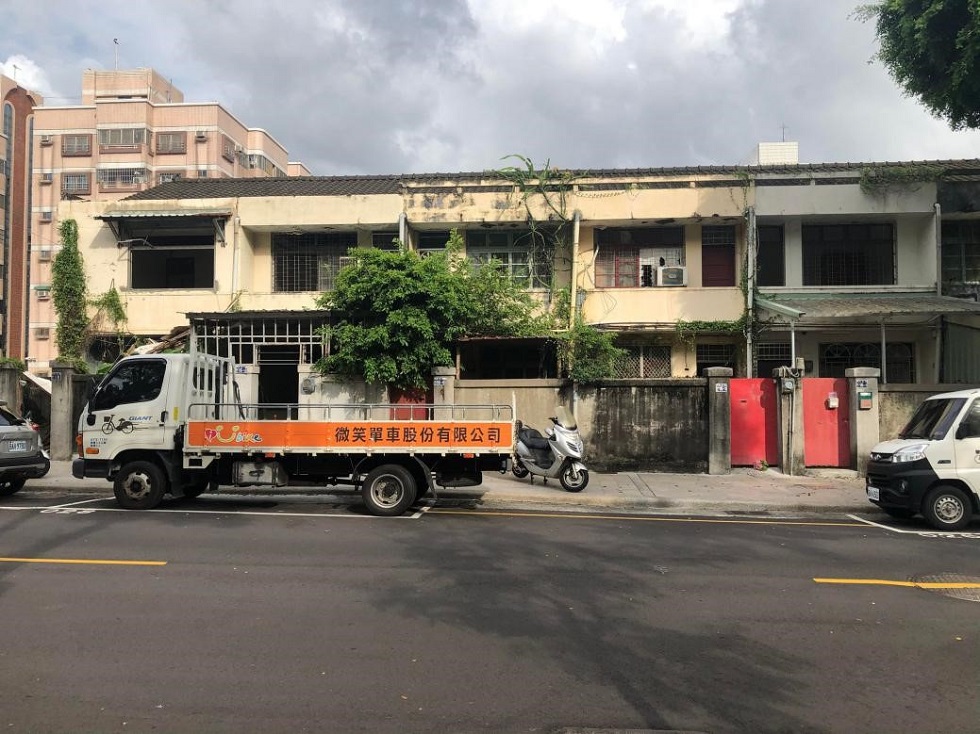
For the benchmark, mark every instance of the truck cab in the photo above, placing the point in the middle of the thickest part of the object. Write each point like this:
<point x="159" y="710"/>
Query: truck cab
<point x="933" y="468"/>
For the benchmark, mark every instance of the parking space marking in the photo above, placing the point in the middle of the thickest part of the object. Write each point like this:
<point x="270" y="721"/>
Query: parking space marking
<point x="949" y="534"/>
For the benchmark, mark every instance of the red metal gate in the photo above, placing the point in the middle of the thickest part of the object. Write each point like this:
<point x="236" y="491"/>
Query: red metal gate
<point x="826" y="422"/>
<point x="754" y="421"/>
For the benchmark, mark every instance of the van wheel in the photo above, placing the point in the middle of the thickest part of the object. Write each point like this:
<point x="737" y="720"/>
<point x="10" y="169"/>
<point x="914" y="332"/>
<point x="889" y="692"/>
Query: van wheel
<point x="12" y="486"/>
<point x="139" y="485"/>
<point x="947" y="508"/>
<point x="388" y="490"/>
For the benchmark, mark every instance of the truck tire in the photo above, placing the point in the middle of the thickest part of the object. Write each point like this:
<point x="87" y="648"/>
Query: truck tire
<point x="11" y="486"/>
<point x="388" y="490"/>
<point x="139" y="485"/>
<point x="947" y="507"/>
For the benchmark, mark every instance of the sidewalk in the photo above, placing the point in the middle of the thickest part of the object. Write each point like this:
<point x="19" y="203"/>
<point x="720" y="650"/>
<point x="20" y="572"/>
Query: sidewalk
<point x="743" y="491"/>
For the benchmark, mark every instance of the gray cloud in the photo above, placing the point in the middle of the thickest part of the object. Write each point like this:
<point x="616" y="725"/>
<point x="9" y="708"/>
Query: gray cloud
<point x="387" y="86"/>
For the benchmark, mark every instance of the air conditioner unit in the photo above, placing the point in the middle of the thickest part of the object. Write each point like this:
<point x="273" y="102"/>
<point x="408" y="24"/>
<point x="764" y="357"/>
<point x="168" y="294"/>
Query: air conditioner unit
<point x="44" y="254"/>
<point x="42" y="332"/>
<point x="201" y="136"/>
<point x="47" y="139"/>
<point x="139" y="179"/>
<point x="46" y="178"/>
<point x="671" y="275"/>
<point x="47" y="216"/>
<point x="43" y="294"/>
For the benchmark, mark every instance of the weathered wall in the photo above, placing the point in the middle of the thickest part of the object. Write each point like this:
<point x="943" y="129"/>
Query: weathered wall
<point x="898" y="402"/>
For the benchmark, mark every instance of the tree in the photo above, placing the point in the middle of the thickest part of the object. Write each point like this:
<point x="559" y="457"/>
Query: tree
<point x="399" y="314"/>
<point x="69" y="293"/>
<point x="932" y="49"/>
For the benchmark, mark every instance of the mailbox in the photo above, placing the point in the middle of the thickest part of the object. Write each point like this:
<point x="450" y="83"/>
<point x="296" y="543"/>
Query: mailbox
<point x="864" y="400"/>
<point x="832" y="401"/>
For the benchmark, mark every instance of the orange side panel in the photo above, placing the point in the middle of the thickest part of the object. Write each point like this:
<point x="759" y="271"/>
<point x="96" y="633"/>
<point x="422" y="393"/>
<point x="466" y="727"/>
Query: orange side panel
<point x="350" y="436"/>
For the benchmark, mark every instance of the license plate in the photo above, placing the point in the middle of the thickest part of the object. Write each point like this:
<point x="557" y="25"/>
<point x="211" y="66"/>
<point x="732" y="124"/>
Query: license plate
<point x="16" y="445"/>
<point x="874" y="493"/>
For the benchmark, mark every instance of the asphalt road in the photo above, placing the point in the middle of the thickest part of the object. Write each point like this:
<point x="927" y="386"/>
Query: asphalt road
<point x="250" y="615"/>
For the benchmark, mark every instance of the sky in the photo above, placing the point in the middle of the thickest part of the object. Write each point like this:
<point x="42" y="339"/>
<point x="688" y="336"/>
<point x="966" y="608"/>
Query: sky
<point x="354" y="87"/>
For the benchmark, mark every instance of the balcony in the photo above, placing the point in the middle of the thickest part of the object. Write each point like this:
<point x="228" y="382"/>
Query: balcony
<point x="661" y="307"/>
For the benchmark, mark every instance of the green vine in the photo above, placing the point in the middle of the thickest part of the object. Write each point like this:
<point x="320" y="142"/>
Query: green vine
<point x="588" y="354"/>
<point x="69" y="294"/>
<point x="688" y="331"/>
<point x="13" y="363"/>
<point x="882" y="179"/>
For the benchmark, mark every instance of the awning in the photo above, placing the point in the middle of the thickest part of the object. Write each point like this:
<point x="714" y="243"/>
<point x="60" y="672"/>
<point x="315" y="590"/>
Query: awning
<point x="111" y="214"/>
<point x="842" y="309"/>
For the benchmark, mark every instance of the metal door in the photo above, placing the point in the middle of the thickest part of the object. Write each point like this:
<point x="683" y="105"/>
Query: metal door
<point x="826" y="422"/>
<point x="754" y="421"/>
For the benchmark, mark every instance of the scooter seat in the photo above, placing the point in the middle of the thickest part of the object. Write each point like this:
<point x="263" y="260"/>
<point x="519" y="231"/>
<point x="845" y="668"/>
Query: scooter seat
<point x="532" y="438"/>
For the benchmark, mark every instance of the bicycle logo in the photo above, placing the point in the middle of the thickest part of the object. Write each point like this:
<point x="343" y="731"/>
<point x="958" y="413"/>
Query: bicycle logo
<point x="123" y="426"/>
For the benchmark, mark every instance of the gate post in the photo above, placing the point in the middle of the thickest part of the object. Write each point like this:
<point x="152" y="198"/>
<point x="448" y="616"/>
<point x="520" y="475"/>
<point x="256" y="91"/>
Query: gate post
<point x="862" y="388"/>
<point x="62" y="430"/>
<point x="719" y="420"/>
<point x="10" y="388"/>
<point x="789" y="388"/>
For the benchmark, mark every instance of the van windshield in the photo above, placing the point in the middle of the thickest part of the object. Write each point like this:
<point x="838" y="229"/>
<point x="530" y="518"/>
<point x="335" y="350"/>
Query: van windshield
<point x="933" y="419"/>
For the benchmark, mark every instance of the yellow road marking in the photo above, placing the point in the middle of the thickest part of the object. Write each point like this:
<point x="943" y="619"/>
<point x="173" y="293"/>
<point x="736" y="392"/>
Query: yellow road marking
<point x="642" y="518"/>
<point x="80" y="561"/>
<point x="912" y="584"/>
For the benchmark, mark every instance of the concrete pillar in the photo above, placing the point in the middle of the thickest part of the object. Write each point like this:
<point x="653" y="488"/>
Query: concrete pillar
<point x="789" y="389"/>
<point x="443" y="391"/>
<point x="11" y="391"/>
<point x="862" y="388"/>
<point x="62" y="446"/>
<point x="719" y="420"/>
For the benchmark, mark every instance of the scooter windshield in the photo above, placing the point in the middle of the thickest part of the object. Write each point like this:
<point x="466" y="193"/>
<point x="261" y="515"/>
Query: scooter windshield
<point x="565" y="418"/>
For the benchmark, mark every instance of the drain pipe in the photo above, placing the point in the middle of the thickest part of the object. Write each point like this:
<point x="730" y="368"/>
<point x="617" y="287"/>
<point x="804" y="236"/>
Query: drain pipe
<point x="939" y="248"/>
<point x="750" y="244"/>
<point x="403" y="229"/>
<point x="573" y="291"/>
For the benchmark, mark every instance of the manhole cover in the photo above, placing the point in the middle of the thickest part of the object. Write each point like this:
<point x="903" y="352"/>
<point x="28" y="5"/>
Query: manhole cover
<point x="955" y="585"/>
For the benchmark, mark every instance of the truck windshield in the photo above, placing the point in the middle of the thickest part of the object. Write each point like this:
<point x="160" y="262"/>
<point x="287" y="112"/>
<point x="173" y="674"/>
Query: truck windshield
<point x="135" y="381"/>
<point x="933" y="419"/>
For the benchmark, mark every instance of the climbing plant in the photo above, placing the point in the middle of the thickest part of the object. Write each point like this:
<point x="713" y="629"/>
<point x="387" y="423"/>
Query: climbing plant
<point x="68" y="291"/>
<point x="883" y="179"/>
<point x="110" y="313"/>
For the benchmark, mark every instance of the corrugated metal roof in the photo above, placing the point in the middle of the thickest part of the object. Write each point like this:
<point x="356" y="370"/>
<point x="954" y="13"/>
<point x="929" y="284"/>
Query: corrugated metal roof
<point x="151" y="213"/>
<point x="846" y="307"/>
<point x="218" y="188"/>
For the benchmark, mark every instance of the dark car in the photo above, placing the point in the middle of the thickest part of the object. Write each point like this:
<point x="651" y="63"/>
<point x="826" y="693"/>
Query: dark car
<point x="21" y="455"/>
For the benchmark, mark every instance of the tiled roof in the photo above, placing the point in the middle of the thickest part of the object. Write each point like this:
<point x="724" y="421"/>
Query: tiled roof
<point x="220" y="188"/>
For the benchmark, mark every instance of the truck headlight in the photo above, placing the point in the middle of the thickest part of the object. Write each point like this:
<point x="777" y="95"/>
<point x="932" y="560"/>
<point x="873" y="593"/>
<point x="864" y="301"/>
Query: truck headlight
<point x="915" y="452"/>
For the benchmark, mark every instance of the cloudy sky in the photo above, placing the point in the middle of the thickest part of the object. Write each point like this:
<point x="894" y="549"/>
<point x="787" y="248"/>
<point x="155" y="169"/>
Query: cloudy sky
<point x="397" y="86"/>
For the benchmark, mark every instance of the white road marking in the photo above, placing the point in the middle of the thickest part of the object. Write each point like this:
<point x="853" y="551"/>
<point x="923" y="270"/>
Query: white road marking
<point x="883" y="527"/>
<point x="921" y="533"/>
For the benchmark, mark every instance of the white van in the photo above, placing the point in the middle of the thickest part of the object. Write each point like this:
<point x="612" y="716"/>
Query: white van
<point x="933" y="468"/>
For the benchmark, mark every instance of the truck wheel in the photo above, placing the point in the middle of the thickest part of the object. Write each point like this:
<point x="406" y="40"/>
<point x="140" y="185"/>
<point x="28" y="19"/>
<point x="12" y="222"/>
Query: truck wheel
<point x="139" y="485"/>
<point x="572" y="479"/>
<point x="947" y="508"/>
<point x="11" y="486"/>
<point x="388" y="490"/>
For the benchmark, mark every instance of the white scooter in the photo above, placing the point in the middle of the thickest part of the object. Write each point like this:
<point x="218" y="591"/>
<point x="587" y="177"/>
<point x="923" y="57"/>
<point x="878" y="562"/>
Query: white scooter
<point x="556" y="454"/>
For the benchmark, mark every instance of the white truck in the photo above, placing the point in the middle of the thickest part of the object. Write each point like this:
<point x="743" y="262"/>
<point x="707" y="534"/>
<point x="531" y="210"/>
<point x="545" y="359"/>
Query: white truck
<point x="173" y="424"/>
<point x="933" y="467"/>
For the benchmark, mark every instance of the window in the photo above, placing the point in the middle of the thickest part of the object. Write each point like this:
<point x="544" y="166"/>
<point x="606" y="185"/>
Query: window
<point x="172" y="142"/>
<point x="718" y="256"/>
<point x="428" y="242"/>
<point x="848" y="254"/>
<point x="75" y="183"/>
<point x="524" y="256"/>
<point x="899" y="363"/>
<point x="137" y="381"/>
<point x="121" y="178"/>
<point x="308" y="262"/>
<point x="644" y="360"/>
<point x="202" y="173"/>
<point x="385" y="240"/>
<point x="715" y="355"/>
<point x="771" y="257"/>
<point x="961" y="251"/>
<point x="770" y="356"/>
<point x="127" y="137"/>
<point x="227" y="149"/>
<point x="76" y="145"/>
<point x="630" y="257"/>
<point x="163" y="178"/>
<point x="507" y="359"/>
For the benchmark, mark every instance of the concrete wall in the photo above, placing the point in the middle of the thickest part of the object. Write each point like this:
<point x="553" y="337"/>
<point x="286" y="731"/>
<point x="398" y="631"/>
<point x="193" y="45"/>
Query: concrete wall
<point x="898" y="403"/>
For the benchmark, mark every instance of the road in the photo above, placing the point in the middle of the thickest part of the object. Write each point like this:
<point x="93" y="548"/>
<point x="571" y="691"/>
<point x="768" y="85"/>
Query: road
<point x="248" y="615"/>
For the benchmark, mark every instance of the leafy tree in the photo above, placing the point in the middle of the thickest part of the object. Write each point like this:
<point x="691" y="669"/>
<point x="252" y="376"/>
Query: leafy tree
<point x="932" y="49"/>
<point x="69" y="293"/>
<point x="400" y="314"/>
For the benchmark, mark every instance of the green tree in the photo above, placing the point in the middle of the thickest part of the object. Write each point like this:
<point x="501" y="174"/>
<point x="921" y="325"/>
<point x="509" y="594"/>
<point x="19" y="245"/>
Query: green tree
<point x="399" y="314"/>
<point x="69" y="293"/>
<point x="932" y="49"/>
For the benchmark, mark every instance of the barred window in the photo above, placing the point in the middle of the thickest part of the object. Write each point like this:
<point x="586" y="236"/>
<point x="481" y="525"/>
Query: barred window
<point x="171" y="142"/>
<point x="899" y="359"/>
<point x="76" y="145"/>
<point x="769" y="356"/>
<point x="385" y="240"/>
<point x="431" y="241"/>
<point x="961" y="251"/>
<point x="168" y="176"/>
<point x="227" y="148"/>
<point x="715" y="355"/>
<point x="848" y="254"/>
<point x="126" y="137"/>
<point x="644" y="361"/>
<point x="308" y="262"/>
<point x="524" y="255"/>
<point x="112" y="178"/>
<point x="629" y="256"/>
<point x="75" y="183"/>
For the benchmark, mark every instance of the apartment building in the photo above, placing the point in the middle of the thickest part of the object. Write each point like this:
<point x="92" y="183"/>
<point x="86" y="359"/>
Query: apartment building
<point x="132" y="130"/>
<point x="15" y="201"/>
<point x="747" y="267"/>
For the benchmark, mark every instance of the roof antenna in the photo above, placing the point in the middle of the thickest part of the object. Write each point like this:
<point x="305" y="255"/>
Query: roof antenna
<point x="115" y="42"/>
<point x="783" y="128"/>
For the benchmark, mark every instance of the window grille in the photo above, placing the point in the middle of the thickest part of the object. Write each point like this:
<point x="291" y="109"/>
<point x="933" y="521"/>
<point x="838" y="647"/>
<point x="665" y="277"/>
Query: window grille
<point x="629" y="257"/>
<point x="308" y="262"/>
<point x="76" y="145"/>
<point x="769" y="356"/>
<point x="961" y="251"/>
<point x="168" y="177"/>
<point x="524" y="255"/>
<point x="75" y="183"/>
<point x="114" y="178"/>
<point x="227" y="149"/>
<point x="899" y="359"/>
<point x="644" y="361"/>
<point x="242" y="338"/>
<point x="127" y="137"/>
<point x="171" y="142"/>
<point x="384" y="240"/>
<point x="426" y="242"/>
<point x="848" y="254"/>
<point x="715" y="355"/>
<point x="724" y="235"/>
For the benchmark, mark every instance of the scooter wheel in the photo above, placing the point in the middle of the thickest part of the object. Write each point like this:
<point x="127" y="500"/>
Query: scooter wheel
<point x="519" y="470"/>
<point x="572" y="479"/>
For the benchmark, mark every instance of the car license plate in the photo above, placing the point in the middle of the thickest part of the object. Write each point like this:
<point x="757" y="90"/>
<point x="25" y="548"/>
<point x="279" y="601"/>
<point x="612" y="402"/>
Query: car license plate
<point x="874" y="493"/>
